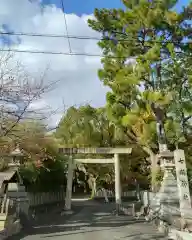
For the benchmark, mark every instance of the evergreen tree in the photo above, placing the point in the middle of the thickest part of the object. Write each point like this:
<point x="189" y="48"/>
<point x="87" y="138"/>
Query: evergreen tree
<point x="143" y="47"/>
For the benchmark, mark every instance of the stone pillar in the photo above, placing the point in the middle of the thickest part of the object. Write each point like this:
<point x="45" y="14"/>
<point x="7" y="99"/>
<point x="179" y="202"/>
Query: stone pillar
<point x="69" y="184"/>
<point x="117" y="181"/>
<point x="183" y="184"/>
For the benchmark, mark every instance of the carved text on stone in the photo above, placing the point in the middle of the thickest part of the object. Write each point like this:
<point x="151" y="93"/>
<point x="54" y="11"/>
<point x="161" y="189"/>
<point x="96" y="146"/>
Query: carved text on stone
<point x="182" y="172"/>
<point x="181" y="160"/>
<point x="185" y="197"/>
<point x="184" y="183"/>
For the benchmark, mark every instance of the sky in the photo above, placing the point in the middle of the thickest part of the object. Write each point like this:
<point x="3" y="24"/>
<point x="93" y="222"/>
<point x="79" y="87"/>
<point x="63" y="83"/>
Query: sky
<point x="88" y="6"/>
<point x="76" y="75"/>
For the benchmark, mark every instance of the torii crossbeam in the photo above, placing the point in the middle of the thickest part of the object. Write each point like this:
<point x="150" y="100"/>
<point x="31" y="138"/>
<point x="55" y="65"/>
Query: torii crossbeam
<point x="115" y="160"/>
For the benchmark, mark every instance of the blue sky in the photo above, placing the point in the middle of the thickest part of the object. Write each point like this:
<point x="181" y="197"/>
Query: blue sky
<point x="80" y="7"/>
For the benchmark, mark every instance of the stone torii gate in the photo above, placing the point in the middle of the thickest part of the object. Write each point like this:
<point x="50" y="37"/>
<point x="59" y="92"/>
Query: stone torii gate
<point x="115" y="160"/>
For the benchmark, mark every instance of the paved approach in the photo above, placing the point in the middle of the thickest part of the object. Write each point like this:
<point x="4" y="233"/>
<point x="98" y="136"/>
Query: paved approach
<point x="90" y="221"/>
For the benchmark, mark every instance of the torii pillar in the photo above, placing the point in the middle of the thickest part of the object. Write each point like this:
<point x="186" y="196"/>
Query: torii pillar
<point x="117" y="181"/>
<point x="69" y="184"/>
<point x="115" y="161"/>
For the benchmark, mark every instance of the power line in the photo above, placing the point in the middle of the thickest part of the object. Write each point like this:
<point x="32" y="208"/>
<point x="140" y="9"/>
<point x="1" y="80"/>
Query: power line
<point x="51" y="52"/>
<point x="85" y="37"/>
<point x="72" y="53"/>
<point x="50" y="35"/>
<point x="66" y="27"/>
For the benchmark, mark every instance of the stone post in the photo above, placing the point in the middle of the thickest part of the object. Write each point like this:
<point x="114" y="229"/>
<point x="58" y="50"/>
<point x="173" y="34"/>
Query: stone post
<point x="69" y="184"/>
<point x="117" y="182"/>
<point x="183" y="184"/>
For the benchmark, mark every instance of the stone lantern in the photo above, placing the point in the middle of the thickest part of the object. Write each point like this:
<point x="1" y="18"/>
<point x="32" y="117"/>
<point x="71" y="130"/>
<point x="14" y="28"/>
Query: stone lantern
<point x="17" y="188"/>
<point x="166" y="201"/>
<point x="17" y="157"/>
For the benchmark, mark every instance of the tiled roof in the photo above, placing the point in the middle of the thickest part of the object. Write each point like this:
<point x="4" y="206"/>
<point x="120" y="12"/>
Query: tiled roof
<point x="7" y="175"/>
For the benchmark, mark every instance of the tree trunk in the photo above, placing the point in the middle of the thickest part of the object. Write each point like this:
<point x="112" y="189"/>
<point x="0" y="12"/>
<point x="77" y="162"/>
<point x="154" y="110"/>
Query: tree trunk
<point x="93" y="186"/>
<point x="154" y="168"/>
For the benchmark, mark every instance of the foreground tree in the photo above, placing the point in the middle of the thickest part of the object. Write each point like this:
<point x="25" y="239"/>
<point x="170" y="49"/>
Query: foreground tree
<point x="19" y="91"/>
<point x="142" y="45"/>
<point x="44" y="168"/>
<point x="24" y="124"/>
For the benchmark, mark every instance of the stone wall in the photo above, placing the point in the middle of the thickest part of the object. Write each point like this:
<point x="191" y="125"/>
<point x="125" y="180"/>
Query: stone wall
<point x="10" y="230"/>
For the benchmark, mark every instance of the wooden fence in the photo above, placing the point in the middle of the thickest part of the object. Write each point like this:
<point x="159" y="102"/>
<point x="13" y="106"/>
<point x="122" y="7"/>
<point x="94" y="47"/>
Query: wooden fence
<point x="40" y="198"/>
<point x="109" y="193"/>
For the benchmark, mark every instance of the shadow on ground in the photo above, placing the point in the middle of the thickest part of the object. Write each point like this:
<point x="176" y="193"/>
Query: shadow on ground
<point x="85" y="219"/>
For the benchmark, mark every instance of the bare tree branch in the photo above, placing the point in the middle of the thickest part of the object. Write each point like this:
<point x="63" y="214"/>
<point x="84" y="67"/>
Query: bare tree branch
<point x="18" y="91"/>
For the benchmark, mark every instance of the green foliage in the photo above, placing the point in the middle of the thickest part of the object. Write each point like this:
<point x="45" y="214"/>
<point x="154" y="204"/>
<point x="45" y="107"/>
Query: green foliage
<point x="3" y="164"/>
<point x="90" y="126"/>
<point x="44" y="167"/>
<point x="144" y="40"/>
<point x="85" y="126"/>
<point x="147" y="59"/>
<point x="48" y="177"/>
<point x="158" y="178"/>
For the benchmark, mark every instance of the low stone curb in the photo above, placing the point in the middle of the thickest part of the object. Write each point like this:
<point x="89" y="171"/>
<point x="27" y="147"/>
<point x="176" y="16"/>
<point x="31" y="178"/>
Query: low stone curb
<point x="179" y="235"/>
<point x="15" y="228"/>
<point x="126" y="210"/>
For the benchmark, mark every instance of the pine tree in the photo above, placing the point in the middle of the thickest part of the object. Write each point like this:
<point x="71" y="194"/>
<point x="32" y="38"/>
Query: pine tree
<point x="141" y="46"/>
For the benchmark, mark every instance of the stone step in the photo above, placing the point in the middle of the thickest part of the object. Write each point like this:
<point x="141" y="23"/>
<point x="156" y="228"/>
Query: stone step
<point x="3" y="218"/>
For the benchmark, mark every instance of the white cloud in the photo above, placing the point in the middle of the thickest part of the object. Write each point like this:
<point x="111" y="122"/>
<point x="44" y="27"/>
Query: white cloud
<point x="38" y="105"/>
<point x="77" y="74"/>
